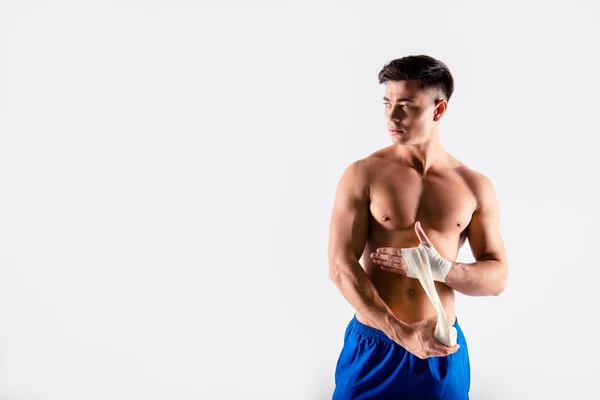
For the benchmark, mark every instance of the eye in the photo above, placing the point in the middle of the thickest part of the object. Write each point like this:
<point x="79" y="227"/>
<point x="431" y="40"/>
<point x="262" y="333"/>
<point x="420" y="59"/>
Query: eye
<point x="403" y="106"/>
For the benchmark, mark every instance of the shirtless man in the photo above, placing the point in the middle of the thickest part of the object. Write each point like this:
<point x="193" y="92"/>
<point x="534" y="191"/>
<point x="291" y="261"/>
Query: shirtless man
<point x="409" y="193"/>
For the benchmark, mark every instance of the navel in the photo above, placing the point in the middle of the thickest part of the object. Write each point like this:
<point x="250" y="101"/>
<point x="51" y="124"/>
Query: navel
<point x="411" y="292"/>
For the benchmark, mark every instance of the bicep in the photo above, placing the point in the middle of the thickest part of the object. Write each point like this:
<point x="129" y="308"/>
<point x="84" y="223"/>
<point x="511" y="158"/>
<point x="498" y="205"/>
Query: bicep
<point x="484" y="230"/>
<point x="350" y="217"/>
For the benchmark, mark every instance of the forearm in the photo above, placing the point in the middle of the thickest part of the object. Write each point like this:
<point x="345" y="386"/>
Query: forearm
<point x="359" y="291"/>
<point x="481" y="278"/>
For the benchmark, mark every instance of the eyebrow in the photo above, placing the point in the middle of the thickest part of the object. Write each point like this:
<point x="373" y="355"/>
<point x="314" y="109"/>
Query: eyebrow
<point x="400" y="99"/>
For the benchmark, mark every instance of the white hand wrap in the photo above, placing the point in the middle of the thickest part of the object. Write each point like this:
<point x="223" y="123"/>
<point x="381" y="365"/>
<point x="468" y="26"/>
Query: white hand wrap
<point x="439" y="265"/>
<point x="423" y="262"/>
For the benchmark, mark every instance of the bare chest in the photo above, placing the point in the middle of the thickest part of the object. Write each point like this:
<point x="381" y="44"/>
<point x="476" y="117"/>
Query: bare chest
<point x="441" y="201"/>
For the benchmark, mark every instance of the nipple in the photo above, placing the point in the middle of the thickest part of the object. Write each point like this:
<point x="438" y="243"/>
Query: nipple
<point x="386" y="218"/>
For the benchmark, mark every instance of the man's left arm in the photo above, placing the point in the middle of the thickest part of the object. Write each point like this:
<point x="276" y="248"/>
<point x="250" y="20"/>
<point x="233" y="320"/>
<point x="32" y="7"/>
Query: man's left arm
<point x="488" y="275"/>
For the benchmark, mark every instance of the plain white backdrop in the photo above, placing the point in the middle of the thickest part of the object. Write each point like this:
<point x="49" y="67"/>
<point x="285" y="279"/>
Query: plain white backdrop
<point x="168" y="169"/>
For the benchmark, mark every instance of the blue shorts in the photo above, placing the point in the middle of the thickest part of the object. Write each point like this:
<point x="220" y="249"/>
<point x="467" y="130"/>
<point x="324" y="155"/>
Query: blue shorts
<point x="373" y="366"/>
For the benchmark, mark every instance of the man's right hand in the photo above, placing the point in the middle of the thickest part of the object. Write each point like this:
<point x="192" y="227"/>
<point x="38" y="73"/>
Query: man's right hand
<point x="418" y="339"/>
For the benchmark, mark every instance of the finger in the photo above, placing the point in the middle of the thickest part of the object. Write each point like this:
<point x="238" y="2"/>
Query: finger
<point x="390" y="250"/>
<point x="436" y="353"/>
<point x="436" y="347"/>
<point x="390" y="265"/>
<point x="387" y="263"/>
<point x="439" y="352"/>
<point x="421" y="235"/>
<point x="448" y="350"/>
<point x="387" y="257"/>
<point x="394" y="266"/>
<point x="393" y="270"/>
<point x="445" y="350"/>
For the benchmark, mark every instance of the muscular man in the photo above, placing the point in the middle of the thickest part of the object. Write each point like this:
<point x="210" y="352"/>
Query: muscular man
<point x="412" y="192"/>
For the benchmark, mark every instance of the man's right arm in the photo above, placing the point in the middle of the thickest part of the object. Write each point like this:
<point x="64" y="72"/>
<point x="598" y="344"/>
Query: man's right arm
<point x="347" y="238"/>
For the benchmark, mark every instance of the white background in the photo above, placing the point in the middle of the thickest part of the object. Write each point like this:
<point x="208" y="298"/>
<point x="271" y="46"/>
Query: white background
<point x="167" y="173"/>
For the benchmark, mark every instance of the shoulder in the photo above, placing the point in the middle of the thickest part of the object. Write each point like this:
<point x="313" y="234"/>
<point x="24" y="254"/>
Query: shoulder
<point x="481" y="185"/>
<point x="359" y="174"/>
<point x="474" y="178"/>
<point x="365" y="167"/>
<point x="356" y="178"/>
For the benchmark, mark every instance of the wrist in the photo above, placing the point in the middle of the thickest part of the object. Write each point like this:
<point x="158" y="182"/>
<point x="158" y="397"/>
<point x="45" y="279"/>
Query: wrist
<point x="452" y="273"/>
<point x="440" y="267"/>
<point x="398" y="330"/>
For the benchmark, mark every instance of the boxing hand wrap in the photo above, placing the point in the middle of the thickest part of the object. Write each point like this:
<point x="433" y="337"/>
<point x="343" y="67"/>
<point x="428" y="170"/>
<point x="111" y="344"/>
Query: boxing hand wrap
<point x="423" y="263"/>
<point x="439" y="265"/>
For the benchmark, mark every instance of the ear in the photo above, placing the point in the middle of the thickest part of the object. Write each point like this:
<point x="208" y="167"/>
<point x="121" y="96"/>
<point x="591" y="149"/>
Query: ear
<point x="440" y="108"/>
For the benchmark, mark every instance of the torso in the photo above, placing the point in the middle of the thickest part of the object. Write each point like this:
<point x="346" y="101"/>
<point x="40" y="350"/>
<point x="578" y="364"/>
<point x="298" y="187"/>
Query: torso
<point x="443" y="201"/>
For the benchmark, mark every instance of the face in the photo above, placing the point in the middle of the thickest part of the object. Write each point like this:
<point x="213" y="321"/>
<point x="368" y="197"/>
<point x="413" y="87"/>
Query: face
<point x="411" y="110"/>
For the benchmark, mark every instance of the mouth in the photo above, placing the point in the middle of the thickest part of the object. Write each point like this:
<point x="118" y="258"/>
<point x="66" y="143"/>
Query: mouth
<point x="396" y="130"/>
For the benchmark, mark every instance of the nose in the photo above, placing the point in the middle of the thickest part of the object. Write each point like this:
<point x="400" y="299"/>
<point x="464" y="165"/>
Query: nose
<point x="395" y="114"/>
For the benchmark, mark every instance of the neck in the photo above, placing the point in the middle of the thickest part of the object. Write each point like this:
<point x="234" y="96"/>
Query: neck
<point x="426" y="155"/>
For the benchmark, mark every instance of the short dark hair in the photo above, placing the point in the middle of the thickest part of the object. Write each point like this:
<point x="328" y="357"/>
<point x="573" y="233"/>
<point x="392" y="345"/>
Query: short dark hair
<point x="431" y="73"/>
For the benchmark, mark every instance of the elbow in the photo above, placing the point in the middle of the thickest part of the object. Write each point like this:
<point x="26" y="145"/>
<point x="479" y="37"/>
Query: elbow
<point x="335" y="271"/>
<point x="499" y="290"/>
<point x="502" y="282"/>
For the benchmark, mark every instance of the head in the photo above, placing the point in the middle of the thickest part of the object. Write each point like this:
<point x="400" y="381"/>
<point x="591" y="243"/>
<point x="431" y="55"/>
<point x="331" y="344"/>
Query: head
<point x="417" y="91"/>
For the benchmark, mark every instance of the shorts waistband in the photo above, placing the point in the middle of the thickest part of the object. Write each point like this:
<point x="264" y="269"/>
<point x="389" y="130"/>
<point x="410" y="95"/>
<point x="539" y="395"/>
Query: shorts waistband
<point x="358" y="327"/>
<point x="366" y="330"/>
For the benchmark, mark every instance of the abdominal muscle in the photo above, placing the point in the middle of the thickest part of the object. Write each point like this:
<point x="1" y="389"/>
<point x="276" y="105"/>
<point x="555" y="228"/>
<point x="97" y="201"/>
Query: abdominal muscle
<point x="405" y="296"/>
